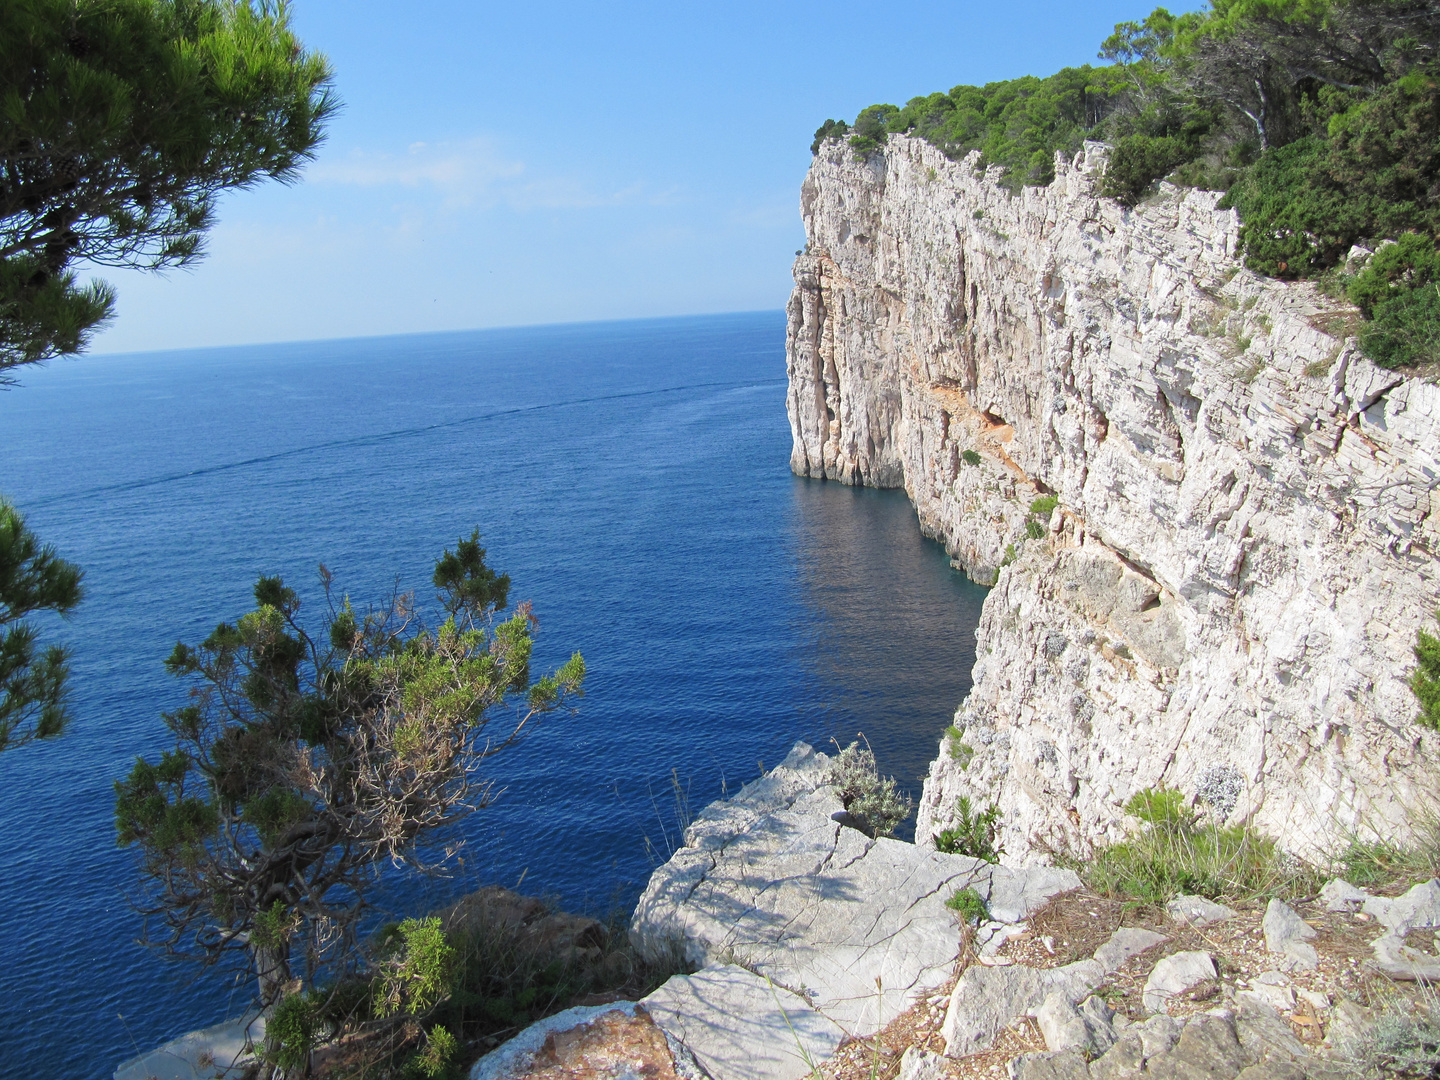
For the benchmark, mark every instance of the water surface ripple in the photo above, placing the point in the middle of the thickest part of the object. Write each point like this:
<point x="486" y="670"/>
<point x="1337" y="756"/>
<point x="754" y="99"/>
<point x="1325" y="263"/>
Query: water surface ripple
<point x="632" y="480"/>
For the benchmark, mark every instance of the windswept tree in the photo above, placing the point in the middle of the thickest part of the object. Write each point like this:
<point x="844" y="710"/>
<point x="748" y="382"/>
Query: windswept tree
<point x="304" y="760"/>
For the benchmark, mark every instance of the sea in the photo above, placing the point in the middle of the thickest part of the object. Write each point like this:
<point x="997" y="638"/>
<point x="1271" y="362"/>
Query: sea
<point x="632" y="479"/>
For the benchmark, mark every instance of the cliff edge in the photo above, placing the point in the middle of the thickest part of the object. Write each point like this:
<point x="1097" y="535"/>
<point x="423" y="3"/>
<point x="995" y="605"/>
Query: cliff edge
<point x="1224" y="596"/>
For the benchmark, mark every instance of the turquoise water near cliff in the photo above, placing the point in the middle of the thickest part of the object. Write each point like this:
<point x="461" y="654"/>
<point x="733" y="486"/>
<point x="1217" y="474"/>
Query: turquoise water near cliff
<point x="630" y="477"/>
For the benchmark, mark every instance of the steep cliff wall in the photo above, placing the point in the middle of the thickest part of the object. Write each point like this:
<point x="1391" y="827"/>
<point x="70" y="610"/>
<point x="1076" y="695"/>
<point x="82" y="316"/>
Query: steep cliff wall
<point x="1226" y="597"/>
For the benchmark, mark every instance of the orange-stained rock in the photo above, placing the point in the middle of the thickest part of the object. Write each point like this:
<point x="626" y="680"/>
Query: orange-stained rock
<point x="612" y="1047"/>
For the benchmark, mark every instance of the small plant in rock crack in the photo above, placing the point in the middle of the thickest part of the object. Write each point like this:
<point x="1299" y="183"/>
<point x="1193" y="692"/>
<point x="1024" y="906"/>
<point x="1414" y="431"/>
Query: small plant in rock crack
<point x="970" y="457"/>
<point x="959" y="750"/>
<point x="867" y="796"/>
<point x="972" y="834"/>
<point x="968" y="904"/>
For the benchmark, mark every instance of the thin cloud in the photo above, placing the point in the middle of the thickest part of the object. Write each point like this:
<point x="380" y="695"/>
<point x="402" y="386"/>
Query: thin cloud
<point x="474" y="173"/>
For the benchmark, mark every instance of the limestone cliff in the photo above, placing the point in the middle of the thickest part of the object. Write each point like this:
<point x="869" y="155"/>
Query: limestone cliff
<point x="1246" y="536"/>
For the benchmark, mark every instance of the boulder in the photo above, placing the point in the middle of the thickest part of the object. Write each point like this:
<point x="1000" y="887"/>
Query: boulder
<point x="1198" y="910"/>
<point x="1064" y="1065"/>
<point x="986" y="999"/>
<point x="1126" y="942"/>
<point x="918" y="1064"/>
<point x="1288" y="934"/>
<point x="1175" y="974"/>
<point x="1207" y="1047"/>
<point x="1418" y="909"/>
<point x="1272" y="989"/>
<point x="1340" y="895"/>
<point x="1064" y="1027"/>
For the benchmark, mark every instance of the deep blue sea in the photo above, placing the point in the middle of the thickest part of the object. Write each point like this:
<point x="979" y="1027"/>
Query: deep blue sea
<point x="630" y="477"/>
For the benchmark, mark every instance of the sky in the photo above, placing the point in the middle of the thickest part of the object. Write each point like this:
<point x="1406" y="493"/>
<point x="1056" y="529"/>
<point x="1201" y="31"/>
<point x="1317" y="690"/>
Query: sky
<point x="517" y="164"/>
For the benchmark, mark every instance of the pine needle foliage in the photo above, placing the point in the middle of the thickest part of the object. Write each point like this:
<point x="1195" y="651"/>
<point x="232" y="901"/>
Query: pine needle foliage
<point x="121" y="123"/>
<point x="33" y="579"/>
<point x="303" y="761"/>
<point x="1320" y="119"/>
<point x="973" y="832"/>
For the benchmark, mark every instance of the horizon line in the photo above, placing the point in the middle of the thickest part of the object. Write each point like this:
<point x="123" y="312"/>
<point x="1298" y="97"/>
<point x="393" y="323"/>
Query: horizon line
<point x="405" y="334"/>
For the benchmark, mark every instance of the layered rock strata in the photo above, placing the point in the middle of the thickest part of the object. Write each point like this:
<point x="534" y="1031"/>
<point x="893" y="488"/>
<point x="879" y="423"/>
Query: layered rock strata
<point x="1224" y="594"/>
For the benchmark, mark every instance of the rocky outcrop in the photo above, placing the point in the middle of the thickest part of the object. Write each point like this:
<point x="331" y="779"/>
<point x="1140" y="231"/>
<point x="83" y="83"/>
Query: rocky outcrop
<point x="1224" y="595"/>
<point x="769" y="880"/>
<point x="805" y="932"/>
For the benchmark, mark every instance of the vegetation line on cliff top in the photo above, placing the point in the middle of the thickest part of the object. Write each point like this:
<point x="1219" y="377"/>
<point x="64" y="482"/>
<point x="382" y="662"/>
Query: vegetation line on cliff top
<point x="1319" y="119"/>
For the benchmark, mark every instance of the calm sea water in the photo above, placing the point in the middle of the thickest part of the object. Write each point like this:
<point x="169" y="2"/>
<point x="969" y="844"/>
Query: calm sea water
<point x="630" y="477"/>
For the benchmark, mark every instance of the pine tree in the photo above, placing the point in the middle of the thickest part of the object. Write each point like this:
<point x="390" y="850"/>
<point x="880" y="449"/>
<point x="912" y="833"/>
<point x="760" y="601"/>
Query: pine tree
<point x="121" y="123"/>
<point x="303" y="761"/>
<point x="32" y="681"/>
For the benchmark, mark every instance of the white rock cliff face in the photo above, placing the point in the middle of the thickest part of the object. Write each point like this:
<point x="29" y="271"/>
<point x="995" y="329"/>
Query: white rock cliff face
<point x="1226" y="596"/>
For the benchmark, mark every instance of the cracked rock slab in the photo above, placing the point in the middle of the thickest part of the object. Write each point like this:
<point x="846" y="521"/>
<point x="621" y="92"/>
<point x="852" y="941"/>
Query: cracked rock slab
<point x="227" y="1045"/>
<point x="738" y="1026"/>
<point x="770" y="881"/>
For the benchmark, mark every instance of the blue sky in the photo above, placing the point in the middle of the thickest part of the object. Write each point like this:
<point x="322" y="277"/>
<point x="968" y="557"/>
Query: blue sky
<point x="511" y="164"/>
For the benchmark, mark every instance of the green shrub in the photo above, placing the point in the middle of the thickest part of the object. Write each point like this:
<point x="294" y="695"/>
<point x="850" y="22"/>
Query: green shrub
<point x="433" y="1060"/>
<point x="871" y="129"/>
<point x="1405" y="329"/>
<point x="1399" y="292"/>
<point x="419" y="972"/>
<point x="1161" y="808"/>
<point x="865" y="794"/>
<point x="1425" y="682"/>
<point x="970" y="457"/>
<point x="831" y="129"/>
<point x="1044" y="505"/>
<point x="1172" y="855"/>
<point x="1410" y="263"/>
<point x="1403" y="1041"/>
<point x="1138" y="161"/>
<point x="291" y="1033"/>
<point x="969" y="905"/>
<point x="1010" y="555"/>
<point x="959" y="751"/>
<point x="1033" y="529"/>
<point x="973" y="834"/>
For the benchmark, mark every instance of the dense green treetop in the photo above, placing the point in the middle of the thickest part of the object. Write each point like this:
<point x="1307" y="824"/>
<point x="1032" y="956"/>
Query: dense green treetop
<point x="121" y="122"/>
<point x="1319" y="118"/>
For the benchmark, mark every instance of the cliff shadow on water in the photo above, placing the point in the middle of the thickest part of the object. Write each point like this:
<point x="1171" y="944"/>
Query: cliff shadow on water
<point x="893" y="637"/>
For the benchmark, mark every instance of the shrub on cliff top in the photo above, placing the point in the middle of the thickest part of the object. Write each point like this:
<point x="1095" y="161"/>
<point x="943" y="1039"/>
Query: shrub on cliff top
<point x="865" y="793"/>
<point x="1319" y="118"/>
